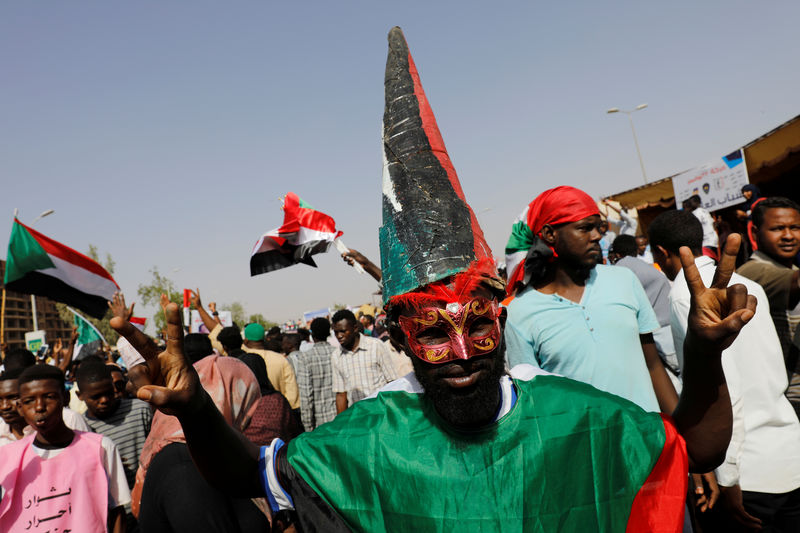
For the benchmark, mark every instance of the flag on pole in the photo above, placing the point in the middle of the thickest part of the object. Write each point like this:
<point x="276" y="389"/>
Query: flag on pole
<point x="88" y="335"/>
<point x="37" y="264"/>
<point x="305" y="232"/>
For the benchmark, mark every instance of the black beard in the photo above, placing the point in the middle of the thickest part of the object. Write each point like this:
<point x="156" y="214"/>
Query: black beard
<point x="577" y="270"/>
<point x="471" y="407"/>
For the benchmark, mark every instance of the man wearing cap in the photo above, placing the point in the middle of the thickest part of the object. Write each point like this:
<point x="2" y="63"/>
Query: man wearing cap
<point x="575" y="317"/>
<point x="460" y="445"/>
<point x="279" y="371"/>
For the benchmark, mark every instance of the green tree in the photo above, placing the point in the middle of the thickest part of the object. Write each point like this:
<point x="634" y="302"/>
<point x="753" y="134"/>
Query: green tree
<point x="238" y="314"/>
<point x="258" y="318"/>
<point x="150" y="294"/>
<point x="101" y="324"/>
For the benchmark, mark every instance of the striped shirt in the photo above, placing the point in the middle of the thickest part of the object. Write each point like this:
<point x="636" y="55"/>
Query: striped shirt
<point x="128" y="428"/>
<point x="315" y="382"/>
<point x="363" y="371"/>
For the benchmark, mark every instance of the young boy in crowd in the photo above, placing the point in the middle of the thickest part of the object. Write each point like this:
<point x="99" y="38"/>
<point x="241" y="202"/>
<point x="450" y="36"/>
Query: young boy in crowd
<point x="123" y="420"/>
<point x="12" y="425"/>
<point x="58" y="479"/>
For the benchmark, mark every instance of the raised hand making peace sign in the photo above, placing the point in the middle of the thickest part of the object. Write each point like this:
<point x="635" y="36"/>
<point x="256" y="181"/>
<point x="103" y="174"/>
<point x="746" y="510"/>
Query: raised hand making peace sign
<point x="171" y="381"/>
<point x="719" y="312"/>
<point x="716" y="316"/>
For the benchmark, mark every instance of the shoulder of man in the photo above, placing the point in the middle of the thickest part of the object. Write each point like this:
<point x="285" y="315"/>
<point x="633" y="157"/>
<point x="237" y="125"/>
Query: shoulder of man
<point x="755" y="268"/>
<point x="274" y="357"/>
<point x="96" y="439"/>
<point x="607" y="271"/>
<point x="16" y="447"/>
<point x="138" y="405"/>
<point x="372" y="341"/>
<point x="611" y="275"/>
<point x="322" y="347"/>
<point x="775" y="279"/>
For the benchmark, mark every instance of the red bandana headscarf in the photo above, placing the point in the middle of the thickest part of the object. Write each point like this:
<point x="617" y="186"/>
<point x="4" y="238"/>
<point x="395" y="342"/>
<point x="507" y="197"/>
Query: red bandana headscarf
<point x="560" y="205"/>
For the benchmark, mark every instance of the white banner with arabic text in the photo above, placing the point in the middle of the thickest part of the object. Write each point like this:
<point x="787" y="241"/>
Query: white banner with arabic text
<point x="718" y="184"/>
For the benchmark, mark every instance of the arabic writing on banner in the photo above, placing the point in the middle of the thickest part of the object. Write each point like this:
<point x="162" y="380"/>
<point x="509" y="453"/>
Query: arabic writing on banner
<point x="719" y="184"/>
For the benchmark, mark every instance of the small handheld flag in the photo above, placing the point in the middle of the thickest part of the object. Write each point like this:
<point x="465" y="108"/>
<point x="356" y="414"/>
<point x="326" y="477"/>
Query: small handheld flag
<point x="305" y="232"/>
<point x="87" y="335"/>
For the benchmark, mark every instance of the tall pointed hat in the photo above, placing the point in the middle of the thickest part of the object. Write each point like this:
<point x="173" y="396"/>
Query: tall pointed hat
<point x="429" y="232"/>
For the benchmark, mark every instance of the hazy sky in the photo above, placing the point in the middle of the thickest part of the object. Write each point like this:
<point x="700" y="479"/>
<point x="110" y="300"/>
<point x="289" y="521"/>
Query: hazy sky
<point x="164" y="133"/>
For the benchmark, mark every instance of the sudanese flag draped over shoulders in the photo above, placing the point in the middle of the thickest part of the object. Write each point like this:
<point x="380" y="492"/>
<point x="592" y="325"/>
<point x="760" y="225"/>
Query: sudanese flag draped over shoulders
<point x="566" y="458"/>
<point x="305" y="232"/>
<point x="36" y="264"/>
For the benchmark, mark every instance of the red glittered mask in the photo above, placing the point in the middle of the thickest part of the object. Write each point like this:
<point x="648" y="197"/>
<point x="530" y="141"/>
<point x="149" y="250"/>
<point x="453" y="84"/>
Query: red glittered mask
<point x="456" y="331"/>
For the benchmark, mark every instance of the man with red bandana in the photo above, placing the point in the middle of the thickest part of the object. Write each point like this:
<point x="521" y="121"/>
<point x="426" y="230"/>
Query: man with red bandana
<point x="575" y="317"/>
<point x="460" y="445"/>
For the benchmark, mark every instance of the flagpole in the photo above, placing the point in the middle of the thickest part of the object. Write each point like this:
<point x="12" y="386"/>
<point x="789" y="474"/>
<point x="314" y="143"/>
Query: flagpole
<point x="3" y="305"/>
<point x="343" y="249"/>
<point x="3" y="318"/>
<point x="33" y="298"/>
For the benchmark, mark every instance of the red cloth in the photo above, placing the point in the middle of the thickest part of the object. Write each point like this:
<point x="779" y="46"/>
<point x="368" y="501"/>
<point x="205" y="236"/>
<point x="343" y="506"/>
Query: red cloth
<point x="751" y="232"/>
<point x="561" y="205"/>
<point x="272" y="418"/>
<point x="664" y="491"/>
<point x="233" y="389"/>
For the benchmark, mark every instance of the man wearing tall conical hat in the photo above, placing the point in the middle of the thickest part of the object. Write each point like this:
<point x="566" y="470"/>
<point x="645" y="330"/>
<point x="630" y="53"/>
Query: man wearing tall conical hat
<point x="462" y="445"/>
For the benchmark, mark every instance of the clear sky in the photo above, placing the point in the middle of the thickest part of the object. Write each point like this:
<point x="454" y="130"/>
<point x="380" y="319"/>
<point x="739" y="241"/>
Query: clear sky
<point x="165" y="133"/>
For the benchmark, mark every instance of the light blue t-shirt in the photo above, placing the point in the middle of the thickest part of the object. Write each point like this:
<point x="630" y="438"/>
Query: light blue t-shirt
<point x="595" y="341"/>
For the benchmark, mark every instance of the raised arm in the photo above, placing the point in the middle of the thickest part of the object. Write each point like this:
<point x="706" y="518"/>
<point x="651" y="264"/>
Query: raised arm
<point x="611" y="206"/>
<point x="64" y="356"/>
<point x="354" y="256"/>
<point x="208" y="320"/>
<point x="223" y="455"/>
<point x="716" y="315"/>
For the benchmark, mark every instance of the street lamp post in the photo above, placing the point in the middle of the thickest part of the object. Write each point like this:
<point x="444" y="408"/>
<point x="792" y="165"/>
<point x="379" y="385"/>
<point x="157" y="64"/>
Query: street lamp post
<point x="635" y="140"/>
<point x="33" y="298"/>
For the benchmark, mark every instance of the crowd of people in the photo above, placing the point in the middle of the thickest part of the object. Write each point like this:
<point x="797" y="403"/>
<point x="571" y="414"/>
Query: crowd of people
<point x="616" y="377"/>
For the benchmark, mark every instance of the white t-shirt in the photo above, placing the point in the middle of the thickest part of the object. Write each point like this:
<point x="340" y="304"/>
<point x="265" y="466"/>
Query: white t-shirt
<point x="763" y="455"/>
<point x="710" y="238"/>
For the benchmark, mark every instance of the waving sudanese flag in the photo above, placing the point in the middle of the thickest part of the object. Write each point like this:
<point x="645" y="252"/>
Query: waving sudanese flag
<point x="305" y="232"/>
<point x="36" y="264"/>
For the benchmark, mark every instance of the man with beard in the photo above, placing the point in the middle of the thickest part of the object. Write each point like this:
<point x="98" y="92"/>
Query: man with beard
<point x="571" y="316"/>
<point x="463" y="446"/>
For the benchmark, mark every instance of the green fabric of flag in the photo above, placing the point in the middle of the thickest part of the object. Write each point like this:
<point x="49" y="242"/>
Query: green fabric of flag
<point x="24" y="254"/>
<point x="391" y="464"/>
<point x="520" y="239"/>
<point x="86" y="331"/>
